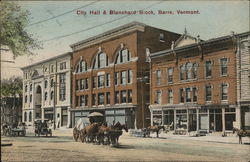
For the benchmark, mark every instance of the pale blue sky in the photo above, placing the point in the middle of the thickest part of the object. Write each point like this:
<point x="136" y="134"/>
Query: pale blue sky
<point x="215" y="19"/>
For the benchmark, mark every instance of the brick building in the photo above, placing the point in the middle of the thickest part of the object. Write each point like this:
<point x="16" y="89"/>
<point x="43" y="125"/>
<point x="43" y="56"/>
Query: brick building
<point x="193" y="85"/>
<point x="47" y="84"/>
<point x="111" y="73"/>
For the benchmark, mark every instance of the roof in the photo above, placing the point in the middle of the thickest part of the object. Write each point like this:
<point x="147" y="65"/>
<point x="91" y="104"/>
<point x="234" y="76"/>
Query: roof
<point x="130" y="27"/>
<point x="46" y="60"/>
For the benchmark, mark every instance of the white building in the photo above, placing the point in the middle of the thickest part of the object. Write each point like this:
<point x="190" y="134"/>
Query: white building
<point x="243" y="78"/>
<point x="42" y="82"/>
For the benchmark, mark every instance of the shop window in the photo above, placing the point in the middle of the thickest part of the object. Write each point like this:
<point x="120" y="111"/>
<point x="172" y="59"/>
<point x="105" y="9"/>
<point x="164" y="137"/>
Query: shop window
<point x="158" y="77"/>
<point x="170" y="96"/>
<point x="123" y="96"/>
<point x="117" y="96"/>
<point x="100" y="98"/>
<point x="170" y="75"/>
<point x="208" y="93"/>
<point x="208" y="67"/>
<point x="223" y="66"/>
<point x="107" y="97"/>
<point x="129" y="96"/>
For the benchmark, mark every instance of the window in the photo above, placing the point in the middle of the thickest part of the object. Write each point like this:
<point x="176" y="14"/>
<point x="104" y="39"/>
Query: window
<point x="81" y="67"/>
<point x="158" y="77"/>
<point x="62" y="87"/>
<point x="45" y="84"/>
<point x="223" y="66"/>
<point x="116" y="78"/>
<point x="208" y="93"/>
<point x="30" y="98"/>
<point x="77" y="84"/>
<point x="82" y="82"/>
<point x="30" y="116"/>
<point x="130" y="76"/>
<point x="25" y="117"/>
<point x="101" y="81"/>
<point x="30" y="87"/>
<point x="100" y="98"/>
<point x="181" y="95"/>
<point x="129" y="96"/>
<point x="101" y="60"/>
<point x="117" y="97"/>
<point x="51" y="83"/>
<point x="45" y="96"/>
<point x="123" y="77"/>
<point x="62" y="65"/>
<point x="52" y="68"/>
<point x="123" y="56"/>
<point x="123" y="96"/>
<point x="87" y="83"/>
<point x="170" y="75"/>
<point x="93" y="99"/>
<point x="224" y="91"/>
<point x="182" y="72"/>
<point x="194" y="94"/>
<point x="86" y="100"/>
<point x="195" y="67"/>
<point x="158" y="97"/>
<point x="77" y="101"/>
<point x="170" y="96"/>
<point x="52" y="95"/>
<point x="26" y="99"/>
<point x="107" y="97"/>
<point x="161" y="37"/>
<point x="208" y="71"/>
<point x="189" y="67"/>
<point x="94" y="82"/>
<point x="26" y="88"/>
<point x="188" y="95"/>
<point x="107" y="80"/>
<point x="82" y="100"/>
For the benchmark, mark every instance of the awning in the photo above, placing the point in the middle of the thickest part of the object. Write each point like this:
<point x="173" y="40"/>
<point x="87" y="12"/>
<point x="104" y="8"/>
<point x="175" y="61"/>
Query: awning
<point x="93" y="114"/>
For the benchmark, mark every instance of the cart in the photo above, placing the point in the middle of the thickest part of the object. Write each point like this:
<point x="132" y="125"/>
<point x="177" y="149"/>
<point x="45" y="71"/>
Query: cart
<point x="41" y="127"/>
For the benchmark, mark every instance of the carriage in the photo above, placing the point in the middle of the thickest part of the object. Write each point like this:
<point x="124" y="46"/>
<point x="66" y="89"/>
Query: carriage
<point x="14" y="130"/>
<point x="41" y="127"/>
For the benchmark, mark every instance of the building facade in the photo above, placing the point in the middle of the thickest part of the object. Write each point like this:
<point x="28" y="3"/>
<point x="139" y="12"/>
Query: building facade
<point x="111" y="73"/>
<point x="193" y="85"/>
<point x="243" y="78"/>
<point x="47" y="84"/>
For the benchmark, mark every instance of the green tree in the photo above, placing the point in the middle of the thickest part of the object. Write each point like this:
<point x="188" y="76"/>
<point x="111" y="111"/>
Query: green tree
<point x="11" y="87"/>
<point x="13" y="36"/>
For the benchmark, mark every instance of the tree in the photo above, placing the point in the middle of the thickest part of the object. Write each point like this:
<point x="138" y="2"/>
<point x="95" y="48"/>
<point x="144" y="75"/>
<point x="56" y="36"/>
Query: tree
<point x="11" y="87"/>
<point x="13" y="35"/>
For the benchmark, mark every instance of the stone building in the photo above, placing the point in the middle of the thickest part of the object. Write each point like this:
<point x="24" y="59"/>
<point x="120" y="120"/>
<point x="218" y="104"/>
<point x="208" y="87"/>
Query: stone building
<point x="111" y="73"/>
<point x="193" y="85"/>
<point x="243" y="78"/>
<point x="47" y="84"/>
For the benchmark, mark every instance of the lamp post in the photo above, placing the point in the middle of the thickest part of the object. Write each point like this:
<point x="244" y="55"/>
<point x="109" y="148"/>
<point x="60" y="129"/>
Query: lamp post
<point x="54" y="105"/>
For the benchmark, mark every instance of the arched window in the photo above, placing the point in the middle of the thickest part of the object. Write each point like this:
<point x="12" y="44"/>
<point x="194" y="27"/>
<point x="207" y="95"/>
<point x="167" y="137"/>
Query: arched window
<point x="26" y="88"/>
<point x="45" y="84"/>
<point x="45" y="96"/>
<point x="52" y="95"/>
<point x="30" y="116"/>
<point x="51" y="82"/>
<point x="195" y="67"/>
<point x="30" y="98"/>
<point x="101" y="61"/>
<point x="81" y="67"/>
<point x="182" y="72"/>
<point x="26" y="99"/>
<point x="25" y="116"/>
<point x="123" y="56"/>
<point x="189" y="67"/>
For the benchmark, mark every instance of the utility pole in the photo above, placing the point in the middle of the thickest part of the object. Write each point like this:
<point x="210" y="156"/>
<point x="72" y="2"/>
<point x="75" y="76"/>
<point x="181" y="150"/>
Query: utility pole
<point x="54" y="104"/>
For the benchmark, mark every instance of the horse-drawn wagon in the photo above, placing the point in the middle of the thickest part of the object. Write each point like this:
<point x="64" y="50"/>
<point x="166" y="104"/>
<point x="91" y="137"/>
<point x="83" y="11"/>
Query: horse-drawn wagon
<point x="41" y="127"/>
<point x="14" y="130"/>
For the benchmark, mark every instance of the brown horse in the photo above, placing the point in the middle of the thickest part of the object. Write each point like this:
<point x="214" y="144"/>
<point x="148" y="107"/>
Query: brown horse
<point x="241" y="133"/>
<point x="154" y="129"/>
<point x="76" y="133"/>
<point x="89" y="132"/>
<point x="102" y="132"/>
<point x="114" y="132"/>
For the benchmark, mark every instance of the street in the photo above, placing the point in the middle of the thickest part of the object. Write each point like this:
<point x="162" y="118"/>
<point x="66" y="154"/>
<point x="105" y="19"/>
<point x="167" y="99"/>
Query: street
<point x="61" y="147"/>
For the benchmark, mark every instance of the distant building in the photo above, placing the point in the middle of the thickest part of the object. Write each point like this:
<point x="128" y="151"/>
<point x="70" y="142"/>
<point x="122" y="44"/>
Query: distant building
<point x="42" y="82"/>
<point x="111" y="73"/>
<point x="193" y="85"/>
<point x="243" y="78"/>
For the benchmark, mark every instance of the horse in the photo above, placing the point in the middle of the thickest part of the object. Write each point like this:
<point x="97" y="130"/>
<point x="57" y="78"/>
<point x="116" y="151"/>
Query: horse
<point x="89" y="132"/>
<point x="76" y="134"/>
<point x="102" y="132"/>
<point x="241" y="133"/>
<point x="116" y="128"/>
<point x="154" y="129"/>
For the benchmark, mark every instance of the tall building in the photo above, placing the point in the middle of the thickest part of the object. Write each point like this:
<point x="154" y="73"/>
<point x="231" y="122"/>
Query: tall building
<point x="243" y="78"/>
<point x="111" y="73"/>
<point x="193" y="85"/>
<point x="47" y="84"/>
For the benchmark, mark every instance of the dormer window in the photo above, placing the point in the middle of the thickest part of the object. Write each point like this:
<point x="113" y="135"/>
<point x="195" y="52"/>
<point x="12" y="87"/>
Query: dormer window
<point x="123" y="56"/>
<point x="101" y="60"/>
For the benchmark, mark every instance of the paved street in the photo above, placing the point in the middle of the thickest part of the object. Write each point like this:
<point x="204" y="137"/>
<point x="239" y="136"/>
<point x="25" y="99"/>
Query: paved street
<point x="61" y="147"/>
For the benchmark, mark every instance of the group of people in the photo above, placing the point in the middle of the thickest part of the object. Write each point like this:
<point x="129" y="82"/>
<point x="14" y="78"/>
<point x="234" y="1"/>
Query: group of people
<point x="8" y="128"/>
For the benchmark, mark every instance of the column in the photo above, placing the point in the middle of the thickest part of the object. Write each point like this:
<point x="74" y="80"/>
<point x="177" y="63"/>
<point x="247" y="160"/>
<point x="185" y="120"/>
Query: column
<point x="208" y="121"/>
<point x="197" y="119"/>
<point x="238" y="117"/>
<point x="223" y="120"/>
<point x="174" y="120"/>
<point x="162" y="117"/>
<point x="151" y="117"/>
<point x="187" y="121"/>
<point x="42" y="115"/>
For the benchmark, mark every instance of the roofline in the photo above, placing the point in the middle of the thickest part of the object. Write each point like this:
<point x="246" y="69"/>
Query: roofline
<point x="43" y="61"/>
<point x="168" y="51"/>
<point x="133" y="26"/>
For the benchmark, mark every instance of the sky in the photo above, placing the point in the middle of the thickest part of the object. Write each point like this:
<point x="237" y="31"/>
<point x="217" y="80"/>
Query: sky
<point x="57" y="33"/>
